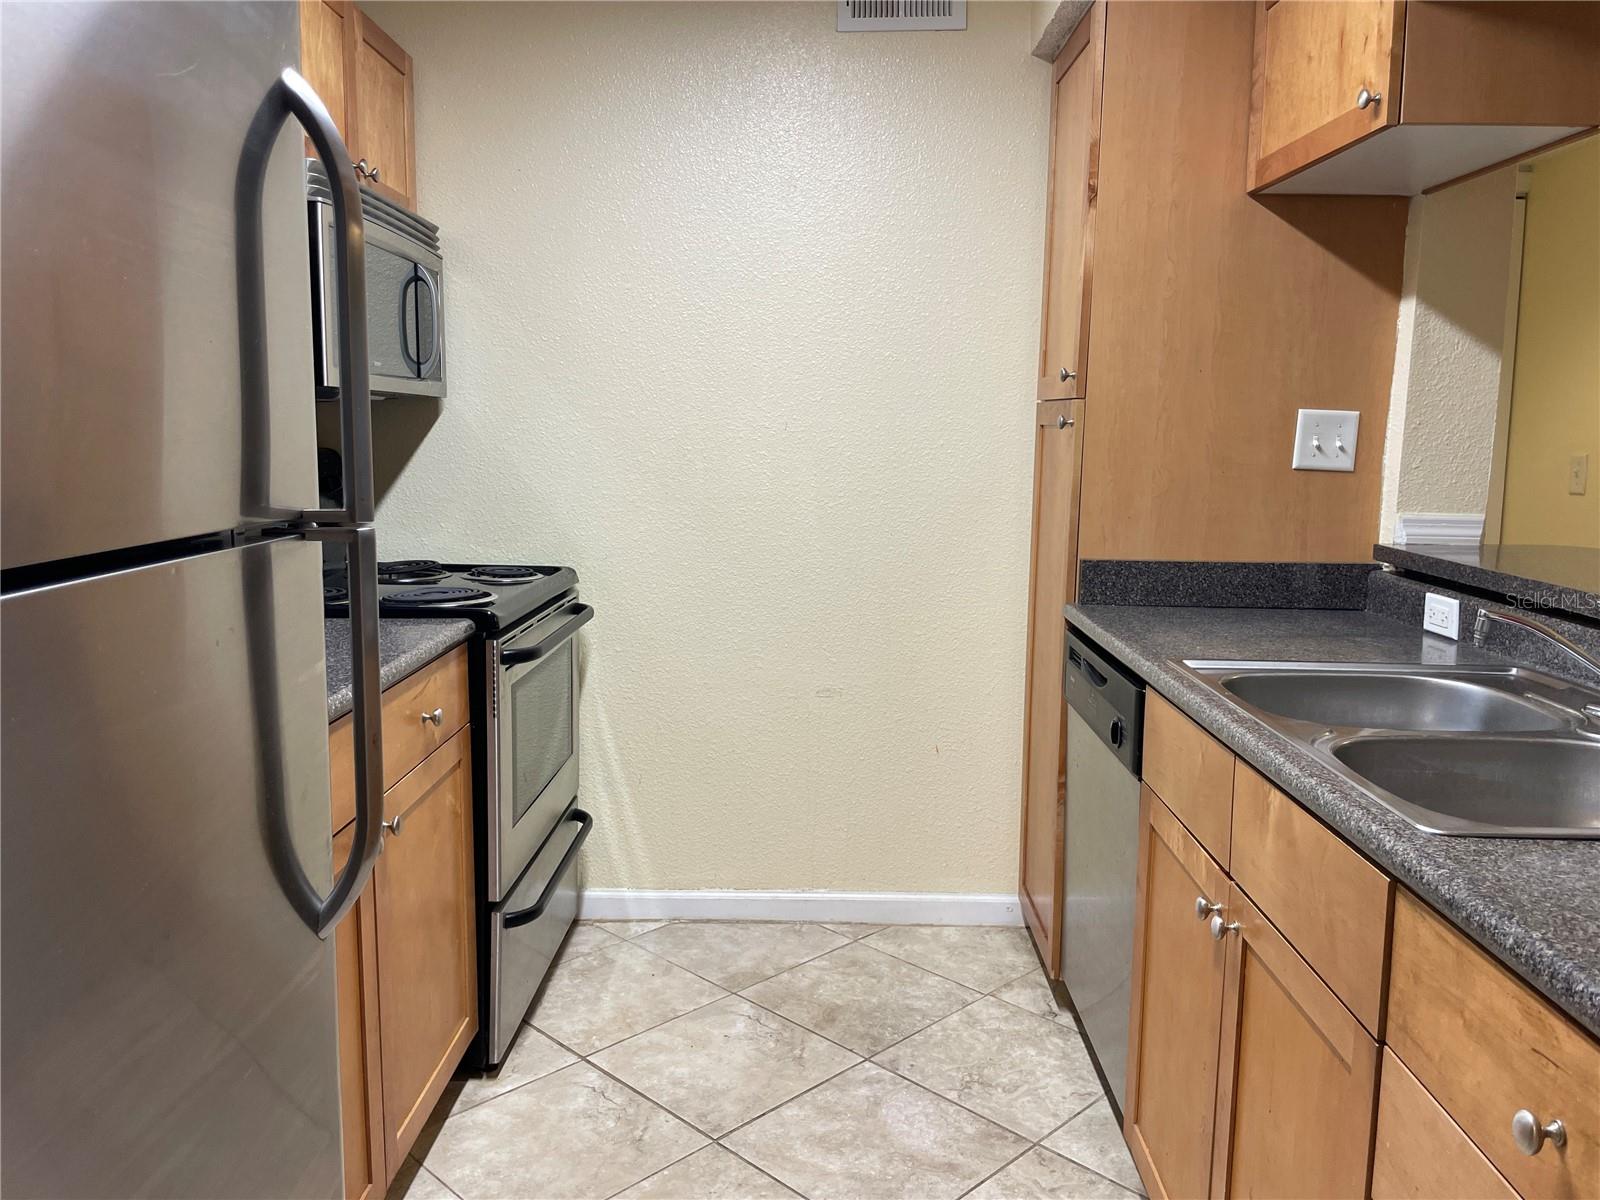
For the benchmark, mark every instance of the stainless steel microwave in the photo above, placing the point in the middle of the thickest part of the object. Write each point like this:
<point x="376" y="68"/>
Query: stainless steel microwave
<point x="405" y="295"/>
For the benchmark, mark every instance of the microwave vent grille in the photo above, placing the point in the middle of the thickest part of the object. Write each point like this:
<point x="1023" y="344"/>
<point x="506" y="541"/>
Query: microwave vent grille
<point x="374" y="208"/>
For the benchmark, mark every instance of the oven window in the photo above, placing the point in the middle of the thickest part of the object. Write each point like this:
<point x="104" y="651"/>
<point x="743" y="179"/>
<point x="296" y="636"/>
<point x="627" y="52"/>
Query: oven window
<point x="541" y="707"/>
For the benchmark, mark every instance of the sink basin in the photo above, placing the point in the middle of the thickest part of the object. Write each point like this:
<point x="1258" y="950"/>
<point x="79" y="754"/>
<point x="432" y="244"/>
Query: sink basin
<point x="1521" y="787"/>
<point x="1473" y="750"/>
<point x="1372" y="700"/>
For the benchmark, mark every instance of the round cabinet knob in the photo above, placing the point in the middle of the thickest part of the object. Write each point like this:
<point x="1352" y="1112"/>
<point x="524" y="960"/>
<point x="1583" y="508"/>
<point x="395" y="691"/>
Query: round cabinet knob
<point x="1203" y="908"/>
<point x="1066" y="374"/>
<point x="1221" y="929"/>
<point x="373" y="174"/>
<point x="1530" y="1135"/>
<point x="1064" y="422"/>
<point x="1366" y="98"/>
<point x="436" y="717"/>
<point x="394" y="825"/>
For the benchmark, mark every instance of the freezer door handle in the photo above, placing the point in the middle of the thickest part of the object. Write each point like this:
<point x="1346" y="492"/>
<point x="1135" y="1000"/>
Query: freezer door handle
<point x="292" y="96"/>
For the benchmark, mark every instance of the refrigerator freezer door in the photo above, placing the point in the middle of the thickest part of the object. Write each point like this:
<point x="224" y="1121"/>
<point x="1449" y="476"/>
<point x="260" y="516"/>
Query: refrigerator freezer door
<point x="168" y="1026"/>
<point x="123" y="422"/>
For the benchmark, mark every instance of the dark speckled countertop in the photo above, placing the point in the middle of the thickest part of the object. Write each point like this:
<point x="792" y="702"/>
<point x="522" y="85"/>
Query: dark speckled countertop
<point x="403" y="647"/>
<point x="1534" y="904"/>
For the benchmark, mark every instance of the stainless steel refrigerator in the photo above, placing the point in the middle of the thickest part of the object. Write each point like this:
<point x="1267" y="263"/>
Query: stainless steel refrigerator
<point x="167" y="998"/>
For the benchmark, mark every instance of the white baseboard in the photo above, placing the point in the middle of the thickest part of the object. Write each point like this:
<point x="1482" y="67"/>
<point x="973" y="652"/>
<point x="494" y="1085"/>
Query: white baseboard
<point x="1438" y="529"/>
<point x="881" y="908"/>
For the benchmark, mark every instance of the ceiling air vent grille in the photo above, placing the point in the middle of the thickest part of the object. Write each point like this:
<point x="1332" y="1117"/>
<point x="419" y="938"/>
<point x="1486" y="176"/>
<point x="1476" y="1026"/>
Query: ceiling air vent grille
<point x="882" y="16"/>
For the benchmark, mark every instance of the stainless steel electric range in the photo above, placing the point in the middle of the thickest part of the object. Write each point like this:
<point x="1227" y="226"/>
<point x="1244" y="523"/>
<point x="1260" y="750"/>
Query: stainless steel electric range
<point x="524" y="679"/>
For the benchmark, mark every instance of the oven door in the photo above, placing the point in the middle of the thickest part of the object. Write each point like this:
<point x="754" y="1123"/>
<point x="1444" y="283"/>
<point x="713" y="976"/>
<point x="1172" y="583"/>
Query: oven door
<point x="535" y="740"/>
<point x="405" y="321"/>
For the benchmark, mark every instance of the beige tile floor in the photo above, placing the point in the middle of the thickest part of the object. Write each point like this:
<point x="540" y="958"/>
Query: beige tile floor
<point x="748" y="1060"/>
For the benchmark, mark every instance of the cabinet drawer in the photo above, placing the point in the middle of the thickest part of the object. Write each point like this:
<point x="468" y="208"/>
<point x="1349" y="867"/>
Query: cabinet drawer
<point x="1485" y="1045"/>
<point x="1331" y="903"/>
<point x="1192" y="772"/>
<point x="1421" y="1153"/>
<point x="408" y="737"/>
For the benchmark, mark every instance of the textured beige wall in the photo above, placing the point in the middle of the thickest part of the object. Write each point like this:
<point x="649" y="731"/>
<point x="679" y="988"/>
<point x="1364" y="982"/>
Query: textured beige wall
<point x="1442" y="405"/>
<point x="743" y="315"/>
<point x="1555" y="395"/>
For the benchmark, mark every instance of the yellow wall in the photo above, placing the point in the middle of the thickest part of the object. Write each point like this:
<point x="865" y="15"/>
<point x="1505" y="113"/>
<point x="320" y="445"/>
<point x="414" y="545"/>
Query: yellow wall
<point x="1555" y="398"/>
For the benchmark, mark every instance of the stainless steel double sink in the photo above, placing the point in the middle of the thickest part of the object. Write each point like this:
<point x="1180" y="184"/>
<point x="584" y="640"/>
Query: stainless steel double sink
<point x="1478" y="751"/>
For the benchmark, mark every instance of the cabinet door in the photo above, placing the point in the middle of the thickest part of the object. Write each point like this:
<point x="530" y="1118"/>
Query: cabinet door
<point x="427" y="973"/>
<point x="1177" y="1007"/>
<point x="1421" y="1154"/>
<point x="1074" y="158"/>
<point x="1313" y="59"/>
<point x="327" y="56"/>
<point x="1057" y="451"/>
<point x="1298" y="1075"/>
<point x="384" y="113"/>
<point x="360" y="1076"/>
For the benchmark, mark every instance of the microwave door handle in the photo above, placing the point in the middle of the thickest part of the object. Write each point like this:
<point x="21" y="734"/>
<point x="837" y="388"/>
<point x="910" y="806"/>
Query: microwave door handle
<point x="426" y="368"/>
<point x="526" y="916"/>
<point x="578" y="614"/>
<point x="406" y="310"/>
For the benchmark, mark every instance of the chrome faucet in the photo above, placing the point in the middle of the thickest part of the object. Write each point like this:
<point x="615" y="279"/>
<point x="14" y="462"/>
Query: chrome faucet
<point x="1480" y="632"/>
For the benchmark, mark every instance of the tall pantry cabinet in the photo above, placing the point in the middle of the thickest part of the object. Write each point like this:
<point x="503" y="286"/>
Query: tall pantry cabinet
<point x="1057" y="454"/>
<point x="1168" y="390"/>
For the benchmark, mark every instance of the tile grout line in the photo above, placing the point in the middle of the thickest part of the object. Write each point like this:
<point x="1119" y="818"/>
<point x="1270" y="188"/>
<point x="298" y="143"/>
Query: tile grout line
<point x="764" y="1171"/>
<point x="752" y="983"/>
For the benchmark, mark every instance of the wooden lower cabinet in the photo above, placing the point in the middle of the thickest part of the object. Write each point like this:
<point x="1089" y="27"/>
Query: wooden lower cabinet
<point x="360" y="1079"/>
<point x="1420" y="1153"/>
<point x="1297" y="1076"/>
<point x="406" y="957"/>
<point x="1178" y="971"/>
<point x="427" y="955"/>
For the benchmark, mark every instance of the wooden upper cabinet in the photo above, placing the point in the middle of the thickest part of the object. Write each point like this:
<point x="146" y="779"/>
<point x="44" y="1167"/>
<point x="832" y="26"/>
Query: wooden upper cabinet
<point x="385" y="113"/>
<point x="364" y="77"/>
<point x="1384" y="97"/>
<point x="1057" y="452"/>
<point x="327" y="55"/>
<point x="1297" y="1076"/>
<point x="426" y="928"/>
<point x="1074" y="160"/>
<point x="1175" y="1025"/>
<point x="1313" y="61"/>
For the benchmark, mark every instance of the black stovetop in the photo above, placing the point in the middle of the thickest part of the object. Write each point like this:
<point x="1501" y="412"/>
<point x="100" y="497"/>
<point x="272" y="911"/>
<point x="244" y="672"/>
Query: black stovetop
<point x="494" y="597"/>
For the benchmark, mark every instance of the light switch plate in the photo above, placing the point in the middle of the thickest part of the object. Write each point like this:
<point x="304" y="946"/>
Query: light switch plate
<point x="1442" y="615"/>
<point x="1325" y="440"/>
<point x="1578" y="475"/>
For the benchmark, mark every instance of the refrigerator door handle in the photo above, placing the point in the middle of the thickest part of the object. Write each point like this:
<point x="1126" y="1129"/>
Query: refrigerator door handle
<point x="366" y="727"/>
<point x="292" y="96"/>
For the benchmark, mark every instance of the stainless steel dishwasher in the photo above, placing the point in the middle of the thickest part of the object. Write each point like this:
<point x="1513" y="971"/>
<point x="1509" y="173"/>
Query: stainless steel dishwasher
<point x="1105" y="731"/>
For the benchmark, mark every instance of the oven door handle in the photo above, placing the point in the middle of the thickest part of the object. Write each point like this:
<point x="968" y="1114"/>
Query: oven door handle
<point x="526" y="916"/>
<point x="577" y="614"/>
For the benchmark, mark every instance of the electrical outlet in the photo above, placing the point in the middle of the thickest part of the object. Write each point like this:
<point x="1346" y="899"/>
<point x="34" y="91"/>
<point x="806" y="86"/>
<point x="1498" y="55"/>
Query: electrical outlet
<point x="1442" y="615"/>
<point x="1578" y="475"/>
<point x="1325" y="440"/>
